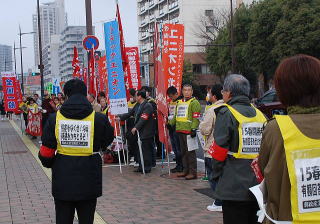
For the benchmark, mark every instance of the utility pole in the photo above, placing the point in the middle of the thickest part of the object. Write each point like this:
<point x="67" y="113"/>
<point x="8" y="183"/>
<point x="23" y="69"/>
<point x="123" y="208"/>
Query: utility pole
<point x="14" y="57"/>
<point x="41" y="67"/>
<point x="21" y="63"/>
<point x="233" y="57"/>
<point x="89" y="32"/>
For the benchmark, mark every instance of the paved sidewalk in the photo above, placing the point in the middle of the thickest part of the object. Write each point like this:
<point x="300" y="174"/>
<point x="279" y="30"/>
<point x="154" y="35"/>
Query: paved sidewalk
<point x="25" y="192"/>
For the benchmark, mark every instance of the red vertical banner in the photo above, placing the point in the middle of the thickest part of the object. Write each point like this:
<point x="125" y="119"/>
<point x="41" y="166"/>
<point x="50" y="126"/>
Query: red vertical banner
<point x="18" y="94"/>
<point x="34" y="127"/>
<point x="91" y="71"/>
<point x="75" y="63"/>
<point x="122" y="43"/>
<point x="11" y="96"/>
<point x="132" y="76"/>
<point x="102" y="71"/>
<point x="173" y="54"/>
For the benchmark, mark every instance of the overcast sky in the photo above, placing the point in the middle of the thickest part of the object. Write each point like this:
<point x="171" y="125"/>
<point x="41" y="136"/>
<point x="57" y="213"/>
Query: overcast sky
<point x="20" y="11"/>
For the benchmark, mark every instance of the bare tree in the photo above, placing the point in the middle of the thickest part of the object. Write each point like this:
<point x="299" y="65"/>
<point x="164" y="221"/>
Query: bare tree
<point x="210" y="25"/>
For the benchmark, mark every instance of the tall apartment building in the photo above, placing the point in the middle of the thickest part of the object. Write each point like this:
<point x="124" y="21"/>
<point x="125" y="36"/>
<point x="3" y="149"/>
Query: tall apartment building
<point x="71" y="36"/>
<point x="190" y="13"/>
<point x="53" y="21"/>
<point x="6" y="63"/>
<point x="51" y="59"/>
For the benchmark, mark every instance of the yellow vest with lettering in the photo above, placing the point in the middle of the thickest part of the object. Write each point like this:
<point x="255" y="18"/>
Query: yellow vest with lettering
<point x="250" y="133"/>
<point x="182" y="110"/>
<point x="74" y="137"/>
<point x="172" y="109"/>
<point x="303" y="162"/>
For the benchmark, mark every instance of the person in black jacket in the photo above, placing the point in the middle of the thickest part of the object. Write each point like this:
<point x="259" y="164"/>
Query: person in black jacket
<point x="130" y="117"/>
<point x="71" y="141"/>
<point x="144" y="124"/>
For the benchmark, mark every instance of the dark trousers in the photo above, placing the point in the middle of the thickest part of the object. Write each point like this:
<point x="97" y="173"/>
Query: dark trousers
<point x="240" y="212"/>
<point x="25" y="118"/>
<point x="174" y="138"/>
<point x="65" y="211"/>
<point x="147" y="146"/>
<point x="189" y="158"/>
<point x="213" y="184"/>
<point x="133" y="147"/>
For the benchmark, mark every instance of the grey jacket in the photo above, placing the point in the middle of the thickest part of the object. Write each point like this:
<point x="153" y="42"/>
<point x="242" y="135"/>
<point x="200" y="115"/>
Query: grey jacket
<point x="234" y="176"/>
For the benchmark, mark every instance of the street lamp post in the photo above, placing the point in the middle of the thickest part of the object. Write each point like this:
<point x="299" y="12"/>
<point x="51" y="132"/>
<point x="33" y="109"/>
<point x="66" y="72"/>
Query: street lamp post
<point x="41" y="66"/>
<point x="15" y="58"/>
<point x="20" y="34"/>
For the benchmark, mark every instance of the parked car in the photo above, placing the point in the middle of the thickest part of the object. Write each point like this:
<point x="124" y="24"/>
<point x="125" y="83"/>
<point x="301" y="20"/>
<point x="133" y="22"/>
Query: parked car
<point x="270" y="105"/>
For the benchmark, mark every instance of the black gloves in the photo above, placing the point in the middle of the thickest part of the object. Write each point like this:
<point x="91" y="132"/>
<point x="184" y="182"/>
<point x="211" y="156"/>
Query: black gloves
<point x="193" y="133"/>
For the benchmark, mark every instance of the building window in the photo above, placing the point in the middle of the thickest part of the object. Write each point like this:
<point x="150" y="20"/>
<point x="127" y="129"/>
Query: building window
<point x="196" y="68"/>
<point x="209" y="13"/>
<point x="209" y="29"/>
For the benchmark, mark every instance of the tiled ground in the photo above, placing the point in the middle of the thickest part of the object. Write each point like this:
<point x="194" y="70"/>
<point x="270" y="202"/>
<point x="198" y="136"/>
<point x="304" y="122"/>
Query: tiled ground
<point x="25" y="192"/>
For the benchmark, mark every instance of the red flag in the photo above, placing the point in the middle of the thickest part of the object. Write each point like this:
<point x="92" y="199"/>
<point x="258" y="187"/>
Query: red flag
<point x="75" y="63"/>
<point x="92" y="87"/>
<point x="173" y="55"/>
<point x="132" y="77"/>
<point x="122" y="43"/>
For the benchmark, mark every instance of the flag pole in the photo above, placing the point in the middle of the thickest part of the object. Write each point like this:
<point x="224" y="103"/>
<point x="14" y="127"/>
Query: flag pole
<point x="117" y="145"/>
<point x="123" y="152"/>
<point x="141" y="154"/>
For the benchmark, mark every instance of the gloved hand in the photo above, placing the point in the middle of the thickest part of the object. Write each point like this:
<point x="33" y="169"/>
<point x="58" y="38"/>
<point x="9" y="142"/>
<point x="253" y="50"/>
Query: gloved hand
<point x="193" y="133"/>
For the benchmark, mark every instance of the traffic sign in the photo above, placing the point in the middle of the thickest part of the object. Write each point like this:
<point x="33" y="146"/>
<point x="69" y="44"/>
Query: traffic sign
<point x="90" y="42"/>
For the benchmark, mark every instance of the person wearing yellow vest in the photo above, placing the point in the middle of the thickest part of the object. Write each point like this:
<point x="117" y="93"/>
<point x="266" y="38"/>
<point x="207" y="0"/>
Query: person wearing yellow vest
<point x="186" y="120"/>
<point x="206" y="128"/>
<point x="289" y="157"/>
<point x="71" y="142"/>
<point x="23" y="106"/>
<point x="172" y="93"/>
<point x="104" y="106"/>
<point x="237" y="138"/>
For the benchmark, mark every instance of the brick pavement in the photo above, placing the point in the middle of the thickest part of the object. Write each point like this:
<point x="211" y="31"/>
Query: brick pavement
<point x="25" y="192"/>
<point x="133" y="198"/>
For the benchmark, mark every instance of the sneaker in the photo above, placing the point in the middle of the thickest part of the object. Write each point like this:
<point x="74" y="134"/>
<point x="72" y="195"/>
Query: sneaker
<point x="214" y="208"/>
<point x="132" y="163"/>
<point x="136" y="165"/>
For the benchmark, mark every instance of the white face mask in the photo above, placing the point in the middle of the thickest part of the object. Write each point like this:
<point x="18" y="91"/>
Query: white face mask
<point x="131" y="99"/>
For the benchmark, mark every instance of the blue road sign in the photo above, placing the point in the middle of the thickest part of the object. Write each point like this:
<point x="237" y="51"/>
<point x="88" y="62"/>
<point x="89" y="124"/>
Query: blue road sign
<point x="90" y="42"/>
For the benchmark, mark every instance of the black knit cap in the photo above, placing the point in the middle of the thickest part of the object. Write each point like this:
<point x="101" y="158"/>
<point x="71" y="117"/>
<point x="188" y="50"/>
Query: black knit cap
<point x="75" y="86"/>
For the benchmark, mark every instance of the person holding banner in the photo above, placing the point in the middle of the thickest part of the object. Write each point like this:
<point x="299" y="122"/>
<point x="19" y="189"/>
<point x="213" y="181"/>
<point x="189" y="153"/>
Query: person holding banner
<point x="104" y="106"/>
<point x="144" y="124"/>
<point x="237" y="137"/>
<point x="206" y="128"/>
<point x="71" y="144"/>
<point x="289" y="158"/>
<point x="186" y="120"/>
<point x="172" y="93"/>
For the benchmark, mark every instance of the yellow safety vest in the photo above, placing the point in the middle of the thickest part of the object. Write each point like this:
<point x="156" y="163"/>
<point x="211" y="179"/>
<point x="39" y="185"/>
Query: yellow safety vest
<point x="183" y="110"/>
<point x="209" y="107"/>
<point x="131" y="105"/>
<point x="105" y="111"/>
<point x="303" y="162"/>
<point x="75" y="137"/>
<point x="250" y="133"/>
<point x="172" y="109"/>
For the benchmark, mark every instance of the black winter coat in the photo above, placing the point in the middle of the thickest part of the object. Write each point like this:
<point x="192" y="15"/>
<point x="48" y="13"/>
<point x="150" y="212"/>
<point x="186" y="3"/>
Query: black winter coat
<point x="144" y="121"/>
<point x="76" y="178"/>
